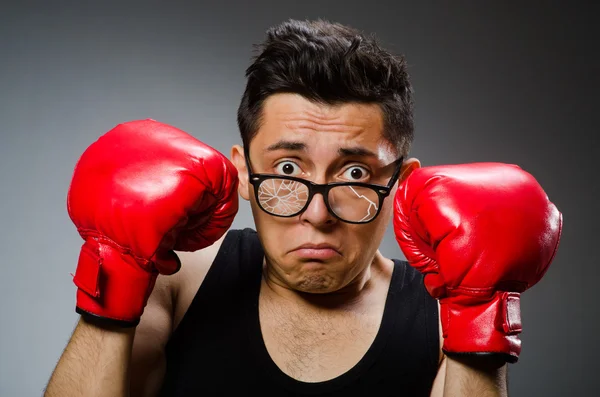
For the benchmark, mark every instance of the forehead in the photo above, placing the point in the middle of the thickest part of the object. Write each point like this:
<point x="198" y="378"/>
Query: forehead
<point x="291" y="116"/>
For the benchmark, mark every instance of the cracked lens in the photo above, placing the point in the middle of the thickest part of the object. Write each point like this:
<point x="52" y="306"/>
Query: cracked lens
<point x="354" y="203"/>
<point x="371" y="206"/>
<point x="282" y="197"/>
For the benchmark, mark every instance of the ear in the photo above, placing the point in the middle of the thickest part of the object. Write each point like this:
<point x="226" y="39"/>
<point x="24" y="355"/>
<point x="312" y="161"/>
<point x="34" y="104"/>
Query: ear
<point x="239" y="161"/>
<point x="408" y="166"/>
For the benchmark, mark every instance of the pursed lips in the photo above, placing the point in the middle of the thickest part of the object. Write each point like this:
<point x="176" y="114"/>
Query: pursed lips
<point x="316" y="251"/>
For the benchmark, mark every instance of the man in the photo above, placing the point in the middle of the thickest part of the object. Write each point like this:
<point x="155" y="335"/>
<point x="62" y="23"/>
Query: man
<point x="306" y="304"/>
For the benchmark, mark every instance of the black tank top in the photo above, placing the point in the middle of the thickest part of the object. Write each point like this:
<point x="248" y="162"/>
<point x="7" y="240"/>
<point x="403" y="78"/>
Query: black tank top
<point x="218" y="350"/>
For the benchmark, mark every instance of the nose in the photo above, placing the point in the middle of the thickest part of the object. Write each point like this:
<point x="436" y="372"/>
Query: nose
<point x="317" y="213"/>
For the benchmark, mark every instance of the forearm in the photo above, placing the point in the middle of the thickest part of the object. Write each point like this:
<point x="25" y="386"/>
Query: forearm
<point x="95" y="363"/>
<point x="475" y="377"/>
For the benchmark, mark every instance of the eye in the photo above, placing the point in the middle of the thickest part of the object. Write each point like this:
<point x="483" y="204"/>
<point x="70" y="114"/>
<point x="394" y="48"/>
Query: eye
<point x="355" y="173"/>
<point x="287" y="168"/>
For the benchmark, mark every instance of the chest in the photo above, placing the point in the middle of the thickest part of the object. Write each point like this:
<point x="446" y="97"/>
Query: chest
<point x="316" y="345"/>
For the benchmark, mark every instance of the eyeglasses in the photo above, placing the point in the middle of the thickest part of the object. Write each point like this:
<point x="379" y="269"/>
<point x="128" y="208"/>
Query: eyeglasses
<point x="351" y="202"/>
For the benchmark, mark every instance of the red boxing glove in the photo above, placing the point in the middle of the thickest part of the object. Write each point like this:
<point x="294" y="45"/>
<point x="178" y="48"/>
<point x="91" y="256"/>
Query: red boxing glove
<point x="141" y="191"/>
<point x="481" y="234"/>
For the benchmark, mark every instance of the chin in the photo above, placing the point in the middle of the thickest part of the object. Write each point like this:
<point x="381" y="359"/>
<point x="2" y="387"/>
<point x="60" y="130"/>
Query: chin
<point x="312" y="286"/>
<point x="314" y="278"/>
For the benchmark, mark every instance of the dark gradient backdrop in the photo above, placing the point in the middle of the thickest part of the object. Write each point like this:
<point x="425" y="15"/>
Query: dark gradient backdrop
<point x="506" y="82"/>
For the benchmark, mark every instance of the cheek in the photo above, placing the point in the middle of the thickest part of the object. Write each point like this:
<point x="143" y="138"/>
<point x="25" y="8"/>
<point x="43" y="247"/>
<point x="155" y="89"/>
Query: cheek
<point x="368" y="236"/>
<point x="271" y="230"/>
<point x="385" y="216"/>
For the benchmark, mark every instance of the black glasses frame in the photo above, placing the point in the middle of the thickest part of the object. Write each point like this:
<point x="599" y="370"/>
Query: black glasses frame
<point x="323" y="189"/>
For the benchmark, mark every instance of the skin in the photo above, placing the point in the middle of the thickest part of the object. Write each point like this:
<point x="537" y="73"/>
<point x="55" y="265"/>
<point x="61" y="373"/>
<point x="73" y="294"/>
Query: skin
<point x="323" y="130"/>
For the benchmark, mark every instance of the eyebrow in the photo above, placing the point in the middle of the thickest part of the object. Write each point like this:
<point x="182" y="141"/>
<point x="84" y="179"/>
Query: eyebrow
<point x="286" y="145"/>
<point x="356" y="151"/>
<point x="300" y="146"/>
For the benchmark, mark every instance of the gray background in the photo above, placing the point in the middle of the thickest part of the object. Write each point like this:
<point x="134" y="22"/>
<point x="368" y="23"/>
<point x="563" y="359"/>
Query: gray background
<point x="505" y="82"/>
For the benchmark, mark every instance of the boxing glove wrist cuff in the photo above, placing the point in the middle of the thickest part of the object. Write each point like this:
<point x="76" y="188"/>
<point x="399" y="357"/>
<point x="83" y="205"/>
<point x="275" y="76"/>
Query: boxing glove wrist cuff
<point x="113" y="286"/>
<point x="476" y="326"/>
<point x="106" y="322"/>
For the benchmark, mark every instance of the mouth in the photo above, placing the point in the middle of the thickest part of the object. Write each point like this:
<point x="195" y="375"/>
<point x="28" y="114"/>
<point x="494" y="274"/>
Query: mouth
<point x="322" y="251"/>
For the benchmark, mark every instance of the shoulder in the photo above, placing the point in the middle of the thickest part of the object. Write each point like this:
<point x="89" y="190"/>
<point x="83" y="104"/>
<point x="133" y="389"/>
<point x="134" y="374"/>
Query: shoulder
<point x="167" y="304"/>
<point x="411" y="276"/>
<point x="184" y="284"/>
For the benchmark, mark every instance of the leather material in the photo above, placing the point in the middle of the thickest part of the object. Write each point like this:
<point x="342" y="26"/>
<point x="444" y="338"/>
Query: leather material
<point x="141" y="191"/>
<point x="482" y="234"/>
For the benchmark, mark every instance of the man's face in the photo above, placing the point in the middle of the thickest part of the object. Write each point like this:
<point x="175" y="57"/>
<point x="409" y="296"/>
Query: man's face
<point x="322" y="144"/>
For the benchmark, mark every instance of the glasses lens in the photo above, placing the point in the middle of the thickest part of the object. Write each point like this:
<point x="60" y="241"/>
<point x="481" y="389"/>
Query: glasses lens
<point x="282" y="197"/>
<point x="354" y="203"/>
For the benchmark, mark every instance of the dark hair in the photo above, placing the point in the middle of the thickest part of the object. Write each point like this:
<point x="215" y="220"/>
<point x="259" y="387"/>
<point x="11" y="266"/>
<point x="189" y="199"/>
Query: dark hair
<point x="328" y="63"/>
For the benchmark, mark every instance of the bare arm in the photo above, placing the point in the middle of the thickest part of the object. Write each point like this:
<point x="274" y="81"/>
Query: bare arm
<point x="101" y="362"/>
<point x="148" y="362"/>
<point x="94" y="363"/>
<point x="117" y="362"/>
<point x="475" y="376"/>
<point x="470" y="377"/>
